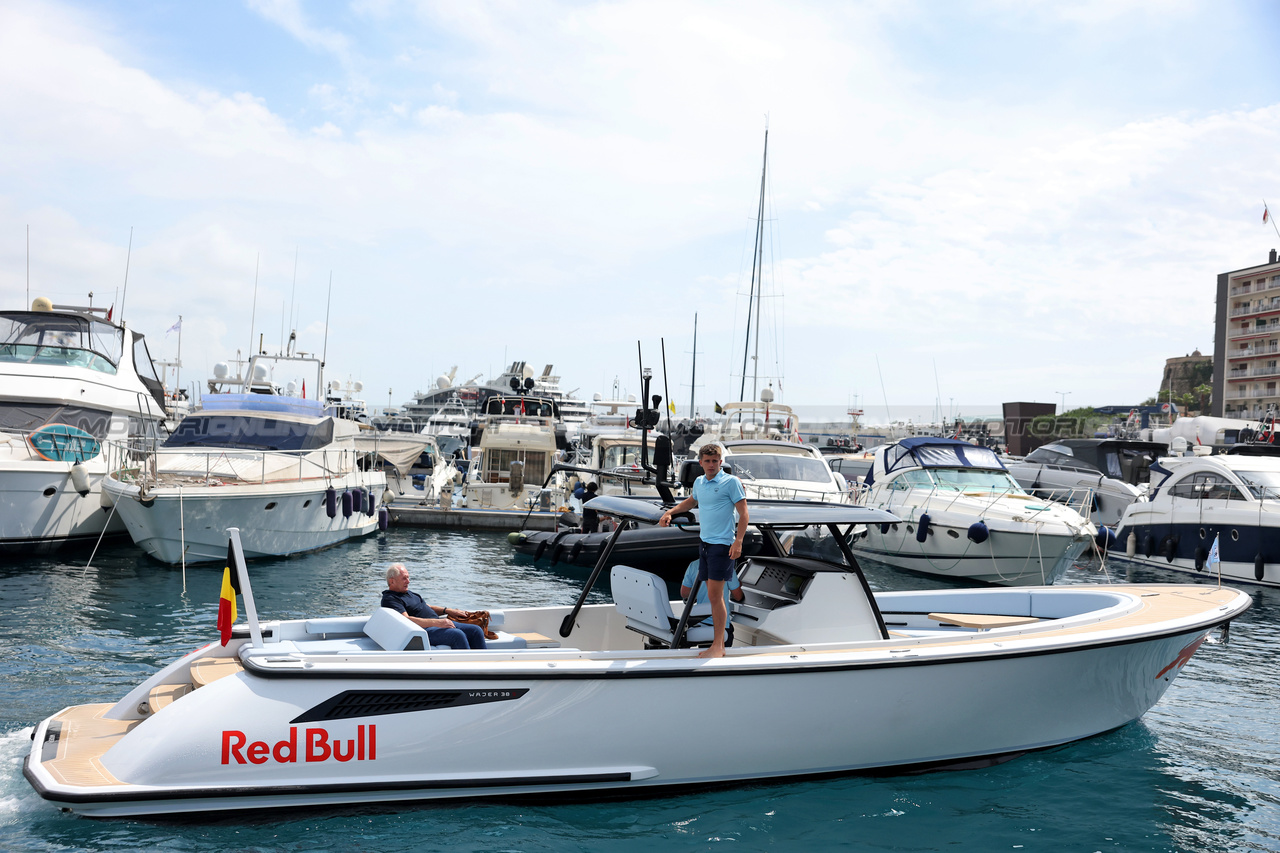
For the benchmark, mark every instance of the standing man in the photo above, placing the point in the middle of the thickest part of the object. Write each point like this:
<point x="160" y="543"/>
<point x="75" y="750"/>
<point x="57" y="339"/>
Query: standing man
<point x="722" y="518"/>
<point x="441" y="631"/>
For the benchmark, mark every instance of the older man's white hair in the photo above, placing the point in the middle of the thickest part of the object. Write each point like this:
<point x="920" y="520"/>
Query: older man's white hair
<point x="395" y="570"/>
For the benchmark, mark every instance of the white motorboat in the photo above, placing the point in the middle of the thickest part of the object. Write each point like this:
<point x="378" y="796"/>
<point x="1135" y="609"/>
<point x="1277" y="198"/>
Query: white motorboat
<point x="70" y="379"/>
<point x="964" y="517"/>
<point x="450" y="425"/>
<point x="1097" y="477"/>
<point x="581" y="700"/>
<point x="783" y="471"/>
<point x="1231" y="498"/>
<point x="274" y="465"/>
<point x="613" y="449"/>
<point x="516" y="453"/>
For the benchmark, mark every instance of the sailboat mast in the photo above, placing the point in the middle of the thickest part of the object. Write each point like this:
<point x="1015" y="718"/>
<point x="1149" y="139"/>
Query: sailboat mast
<point x="752" y="296"/>
<point x="693" y="378"/>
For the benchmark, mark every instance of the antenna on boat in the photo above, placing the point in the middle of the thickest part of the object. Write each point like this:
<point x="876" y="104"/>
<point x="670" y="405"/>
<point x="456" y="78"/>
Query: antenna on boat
<point x="28" y="303"/>
<point x="127" y="256"/>
<point x="666" y="389"/>
<point x="250" y="610"/>
<point x="324" y="354"/>
<point x="293" y="288"/>
<point x="253" y="316"/>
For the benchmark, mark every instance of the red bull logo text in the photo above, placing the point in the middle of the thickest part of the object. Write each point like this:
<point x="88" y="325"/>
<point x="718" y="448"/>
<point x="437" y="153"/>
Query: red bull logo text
<point x="317" y="745"/>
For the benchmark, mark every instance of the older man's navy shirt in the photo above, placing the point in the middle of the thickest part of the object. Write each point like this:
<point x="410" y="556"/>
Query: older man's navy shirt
<point x="409" y="603"/>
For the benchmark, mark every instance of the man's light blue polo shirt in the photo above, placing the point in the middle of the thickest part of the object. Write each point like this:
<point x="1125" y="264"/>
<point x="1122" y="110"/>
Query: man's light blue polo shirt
<point x="716" y="515"/>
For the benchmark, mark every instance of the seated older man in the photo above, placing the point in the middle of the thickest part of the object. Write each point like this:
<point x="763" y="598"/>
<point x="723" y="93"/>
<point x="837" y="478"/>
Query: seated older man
<point x="441" y="631"/>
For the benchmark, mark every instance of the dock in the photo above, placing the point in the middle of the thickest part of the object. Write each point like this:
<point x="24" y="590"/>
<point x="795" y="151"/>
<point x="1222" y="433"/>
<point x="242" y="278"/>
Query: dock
<point x="497" y="520"/>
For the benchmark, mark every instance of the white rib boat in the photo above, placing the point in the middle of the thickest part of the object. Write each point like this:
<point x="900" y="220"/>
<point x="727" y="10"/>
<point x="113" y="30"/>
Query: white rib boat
<point x="581" y="700"/>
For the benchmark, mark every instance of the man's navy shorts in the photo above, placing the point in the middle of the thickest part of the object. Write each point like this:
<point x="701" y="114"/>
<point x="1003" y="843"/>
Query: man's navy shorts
<point x="714" y="562"/>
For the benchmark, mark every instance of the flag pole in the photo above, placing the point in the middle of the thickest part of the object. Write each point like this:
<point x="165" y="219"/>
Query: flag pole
<point x="250" y="611"/>
<point x="1266" y="214"/>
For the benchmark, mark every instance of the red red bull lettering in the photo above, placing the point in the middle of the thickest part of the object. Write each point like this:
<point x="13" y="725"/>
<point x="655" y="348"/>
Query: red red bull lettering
<point x="317" y="745"/>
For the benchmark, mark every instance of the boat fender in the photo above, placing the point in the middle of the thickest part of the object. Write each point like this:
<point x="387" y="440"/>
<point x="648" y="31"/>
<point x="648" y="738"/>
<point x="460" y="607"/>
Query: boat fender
<point x="922" y="528"/>
<point x="1131" y="544"/>
<point x="330" y="502"/>
<point x="388" y="496"/>
<point x="80" y="479"/>
<point x="1201" y="554"/>
<point x="978" y="532"/>
<point x="575" y="551"/>
<point x="384" y="517"/>
<point x="1259" y="568"/>
<point x="555" y="553"/>
<point x="1106" y="539"/>
<point x="542" y="546"/>
<point x="884" y="529"/>
<point x="373" y="503"/>
<point x="1149" y="545"/>
<point x="1169" y="548"/>
<point x="515" y="537"/>
<point x="346" y="503"/>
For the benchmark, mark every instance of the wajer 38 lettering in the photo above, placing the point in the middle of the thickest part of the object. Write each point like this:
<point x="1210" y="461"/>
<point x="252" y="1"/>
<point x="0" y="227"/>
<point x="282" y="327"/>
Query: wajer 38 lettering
<point x="317" y="745"/>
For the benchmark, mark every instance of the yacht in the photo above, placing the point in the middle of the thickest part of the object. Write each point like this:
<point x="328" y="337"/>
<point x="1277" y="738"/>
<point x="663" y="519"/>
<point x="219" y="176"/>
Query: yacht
<point x="1097" y="477"/>
<point x="1229" y="498"/>
<point x="277" y="465"/>
<point x="963" y="517"/>
<point x="515" y="456"/>
<point x="71" y="378"/>
<point x="450" y="425"/>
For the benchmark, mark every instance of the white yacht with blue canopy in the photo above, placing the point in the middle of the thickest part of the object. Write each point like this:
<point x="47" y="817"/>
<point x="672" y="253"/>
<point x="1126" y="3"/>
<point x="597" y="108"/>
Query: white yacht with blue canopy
<point x="965" y="517"/>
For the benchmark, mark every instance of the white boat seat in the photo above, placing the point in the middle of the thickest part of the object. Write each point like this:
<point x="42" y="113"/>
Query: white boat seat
<point x="393" y="631"/>
<point x="337" y="625"/>
<point x="642" y="600"/>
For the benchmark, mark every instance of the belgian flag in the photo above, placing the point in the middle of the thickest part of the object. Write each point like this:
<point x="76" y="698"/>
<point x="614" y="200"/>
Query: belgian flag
<point x="227" y="602"/>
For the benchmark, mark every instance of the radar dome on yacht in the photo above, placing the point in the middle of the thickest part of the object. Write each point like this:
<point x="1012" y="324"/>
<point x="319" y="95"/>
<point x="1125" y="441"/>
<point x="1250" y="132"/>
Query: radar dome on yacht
<point x="359" y="386"/>
<point x="259" y="372"/>
<point x="42" y="303"/>
<point x="221" y="370"/>
<point x="766" y="395"/>
<point x="631" y="398"/>
<point x="292" y="387"/>
<point x="443" y="381"/>
<point x="596" y="398"/>
<point x="334" y="385"/>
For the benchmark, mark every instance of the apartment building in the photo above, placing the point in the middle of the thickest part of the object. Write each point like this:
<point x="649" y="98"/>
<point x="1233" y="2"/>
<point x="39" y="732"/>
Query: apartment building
<point x="1246" y="341"/>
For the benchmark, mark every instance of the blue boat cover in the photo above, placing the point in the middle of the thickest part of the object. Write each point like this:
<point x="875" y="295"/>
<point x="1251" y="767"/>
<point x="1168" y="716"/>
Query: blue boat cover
<point x="932" y="452"/>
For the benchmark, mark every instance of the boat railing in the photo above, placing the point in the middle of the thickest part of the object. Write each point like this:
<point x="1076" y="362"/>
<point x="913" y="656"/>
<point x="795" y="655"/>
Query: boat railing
<point x="770" y="492"/>
<point x="1079" y="499"/>
<point x="243" y="466"/>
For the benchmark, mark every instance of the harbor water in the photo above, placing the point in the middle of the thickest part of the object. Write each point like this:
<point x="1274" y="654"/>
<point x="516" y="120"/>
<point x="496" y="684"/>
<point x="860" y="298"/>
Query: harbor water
<point x="1199" y="772"/>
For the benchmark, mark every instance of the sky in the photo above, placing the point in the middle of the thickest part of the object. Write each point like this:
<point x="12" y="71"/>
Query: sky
<point x="969" y="202"/>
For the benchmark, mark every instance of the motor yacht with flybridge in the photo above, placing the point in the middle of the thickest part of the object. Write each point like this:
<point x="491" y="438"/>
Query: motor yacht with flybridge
<point x="581" y="700"/>
<point x="277" y="465"/>
<point x="964" y="517"/>
<point x="70" y="379"/>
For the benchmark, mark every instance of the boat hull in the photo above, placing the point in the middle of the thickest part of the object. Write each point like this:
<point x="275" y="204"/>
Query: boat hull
<point x="665" y="552"/>
<point x="1009" y="556"/>
<point x="41" y="511"/>
<point x="275" y="519"/>
<point x="248" y="741"/>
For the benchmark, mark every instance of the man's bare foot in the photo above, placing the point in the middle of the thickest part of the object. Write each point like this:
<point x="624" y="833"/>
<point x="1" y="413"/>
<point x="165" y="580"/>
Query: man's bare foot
<point x="713" y="652"/>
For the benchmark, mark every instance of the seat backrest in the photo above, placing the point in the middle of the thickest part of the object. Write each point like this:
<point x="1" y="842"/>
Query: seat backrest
<point x="641" y="597"/>
<point x="393" y="631"/>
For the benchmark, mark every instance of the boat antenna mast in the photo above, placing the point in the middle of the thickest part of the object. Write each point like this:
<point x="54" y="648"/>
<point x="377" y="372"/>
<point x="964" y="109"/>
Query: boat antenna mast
<point x="128" y="255"/>
<point x="324" y="354"/>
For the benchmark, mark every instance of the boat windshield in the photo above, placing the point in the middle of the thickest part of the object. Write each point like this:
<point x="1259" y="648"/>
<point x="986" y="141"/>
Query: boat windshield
<point x="1263" y="485"/>
<point x="23" y="417"/>
<point x="258" y="433"/>
<point x="618" y="455"/>
<point x="39" y="337"/>
<point x="959" y="480"/>
<point x="768" y="466"/>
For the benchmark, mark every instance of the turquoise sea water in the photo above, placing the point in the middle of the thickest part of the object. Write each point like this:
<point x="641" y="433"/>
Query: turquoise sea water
<point x="1200" y="772"/>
